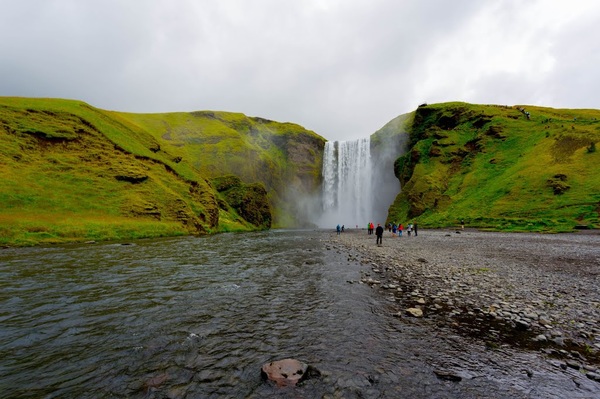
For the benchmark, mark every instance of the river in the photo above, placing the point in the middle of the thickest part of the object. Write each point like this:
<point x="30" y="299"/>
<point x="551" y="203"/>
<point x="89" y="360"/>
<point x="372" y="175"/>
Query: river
<point x="198" y="317"/>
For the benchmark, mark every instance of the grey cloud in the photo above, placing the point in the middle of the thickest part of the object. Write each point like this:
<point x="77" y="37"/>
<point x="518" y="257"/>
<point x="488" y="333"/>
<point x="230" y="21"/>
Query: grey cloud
<point x="343" y="69"/>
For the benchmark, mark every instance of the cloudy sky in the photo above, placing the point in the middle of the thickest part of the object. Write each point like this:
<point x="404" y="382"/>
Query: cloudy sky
<point x="342" y="68"/>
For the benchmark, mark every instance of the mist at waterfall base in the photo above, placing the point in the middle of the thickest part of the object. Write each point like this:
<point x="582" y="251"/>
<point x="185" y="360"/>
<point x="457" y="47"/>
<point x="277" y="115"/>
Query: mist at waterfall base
<point x="359" y="183"/>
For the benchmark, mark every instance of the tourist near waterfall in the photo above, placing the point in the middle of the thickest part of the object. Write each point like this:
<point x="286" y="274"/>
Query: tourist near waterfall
<point x="379" y="234"/>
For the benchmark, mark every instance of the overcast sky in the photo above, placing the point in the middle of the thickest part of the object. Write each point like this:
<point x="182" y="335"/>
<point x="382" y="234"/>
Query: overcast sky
<point x="342" y="68"/>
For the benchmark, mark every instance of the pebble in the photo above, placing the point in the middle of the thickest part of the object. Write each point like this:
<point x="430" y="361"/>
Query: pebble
<point x="414" y="312"/>
<point x="593" y="376"/>
<point x="541" y="338"/>
<point x="546" y="284"/>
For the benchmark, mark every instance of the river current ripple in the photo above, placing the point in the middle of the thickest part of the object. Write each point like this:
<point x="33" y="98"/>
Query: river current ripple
<point x="198" y="317"/>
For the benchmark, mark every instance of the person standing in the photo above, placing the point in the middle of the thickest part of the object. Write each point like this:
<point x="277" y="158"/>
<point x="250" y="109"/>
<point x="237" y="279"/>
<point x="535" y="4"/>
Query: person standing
<point x="339" y="229"/>
<point x="408" y="229"/>
<point x="379" y="234"/>
<point x="415" y="228"/>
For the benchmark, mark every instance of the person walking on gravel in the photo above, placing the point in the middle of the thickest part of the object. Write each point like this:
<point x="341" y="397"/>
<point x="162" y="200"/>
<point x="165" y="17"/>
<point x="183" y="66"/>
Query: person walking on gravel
<point x="379" y="234"/>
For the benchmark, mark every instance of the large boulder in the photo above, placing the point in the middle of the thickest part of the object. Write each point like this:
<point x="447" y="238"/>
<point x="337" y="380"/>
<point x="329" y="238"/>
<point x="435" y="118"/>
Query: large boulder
<point x="286" y="372"/>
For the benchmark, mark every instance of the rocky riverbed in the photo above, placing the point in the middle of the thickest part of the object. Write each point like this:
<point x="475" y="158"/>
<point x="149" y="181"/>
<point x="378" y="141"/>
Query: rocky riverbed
<point x="531" y="291"/>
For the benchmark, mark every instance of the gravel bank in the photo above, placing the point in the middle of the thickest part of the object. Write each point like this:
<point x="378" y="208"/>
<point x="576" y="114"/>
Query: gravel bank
<point x="533" y="291"/>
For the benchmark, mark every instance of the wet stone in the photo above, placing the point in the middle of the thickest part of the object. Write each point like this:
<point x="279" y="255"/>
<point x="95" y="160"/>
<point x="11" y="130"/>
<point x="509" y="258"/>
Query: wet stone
<point x="286" y="372"/>
<point x="521" y="324"/>
<point x="573" y="364"/>
<point x="593" y="376"/>
<point x="447" y="375"/>
<point x="541" y="338"/>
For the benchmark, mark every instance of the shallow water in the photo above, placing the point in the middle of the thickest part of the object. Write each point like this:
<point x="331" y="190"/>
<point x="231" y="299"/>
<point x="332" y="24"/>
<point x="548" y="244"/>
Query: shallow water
<point x="197" y="318"/>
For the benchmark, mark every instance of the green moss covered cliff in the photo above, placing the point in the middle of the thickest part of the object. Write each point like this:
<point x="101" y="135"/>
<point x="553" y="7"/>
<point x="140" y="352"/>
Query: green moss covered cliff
<point x="519" y="168"/>
<point x="284" y="157"/>
<point x="72" y="172"/>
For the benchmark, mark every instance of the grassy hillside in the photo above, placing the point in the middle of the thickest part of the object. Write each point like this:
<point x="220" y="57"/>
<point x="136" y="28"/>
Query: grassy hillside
<point x="71" y="172"/>
<point x="498" y="167"/>
<point x="285" y="157"/>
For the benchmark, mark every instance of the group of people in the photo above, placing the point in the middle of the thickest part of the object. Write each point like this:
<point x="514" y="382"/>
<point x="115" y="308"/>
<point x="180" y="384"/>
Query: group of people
<point x="397" y="229"/>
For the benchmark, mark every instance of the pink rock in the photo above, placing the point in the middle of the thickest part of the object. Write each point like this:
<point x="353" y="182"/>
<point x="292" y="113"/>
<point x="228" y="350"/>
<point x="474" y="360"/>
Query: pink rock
<point x="156" y="381"/>
<point x="286" y="372"/>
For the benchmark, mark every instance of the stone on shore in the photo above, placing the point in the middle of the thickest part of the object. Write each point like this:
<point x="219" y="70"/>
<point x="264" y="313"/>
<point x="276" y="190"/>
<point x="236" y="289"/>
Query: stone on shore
<point x="447" y="375"/>
<point x="414" y="312"/>
<point x="593" y="376"/>
<point x="527" y="293"/>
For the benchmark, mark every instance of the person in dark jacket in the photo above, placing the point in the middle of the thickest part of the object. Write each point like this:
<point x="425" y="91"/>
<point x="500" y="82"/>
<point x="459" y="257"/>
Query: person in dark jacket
<point x="379" y="234"/>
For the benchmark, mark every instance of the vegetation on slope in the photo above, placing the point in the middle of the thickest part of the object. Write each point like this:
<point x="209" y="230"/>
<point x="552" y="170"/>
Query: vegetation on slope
<point x="284" y="157"/>
<point x="71" y="172"/>
<point x="520" y="168"/>
<point x="247" y="200"/>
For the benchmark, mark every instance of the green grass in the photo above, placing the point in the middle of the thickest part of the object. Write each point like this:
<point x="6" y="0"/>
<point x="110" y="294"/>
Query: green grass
<point x="36" y="229"/>
<point x="66" y="169"/>
<point x="279" y="155"/>
<point x="72" y="172"/>
<point x="128" y="175"/>
<point x="500" y="181"/>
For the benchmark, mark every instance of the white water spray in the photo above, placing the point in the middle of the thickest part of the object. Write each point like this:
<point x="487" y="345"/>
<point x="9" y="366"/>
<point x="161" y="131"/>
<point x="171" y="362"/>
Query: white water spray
<point x="347" y="190"/>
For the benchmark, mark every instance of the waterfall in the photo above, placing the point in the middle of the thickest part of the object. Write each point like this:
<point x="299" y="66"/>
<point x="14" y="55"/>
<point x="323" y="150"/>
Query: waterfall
<point x="347" y="195"/>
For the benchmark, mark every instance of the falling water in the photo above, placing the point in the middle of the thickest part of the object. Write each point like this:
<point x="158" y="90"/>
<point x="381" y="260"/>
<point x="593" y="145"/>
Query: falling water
<point x="347" y="176"/>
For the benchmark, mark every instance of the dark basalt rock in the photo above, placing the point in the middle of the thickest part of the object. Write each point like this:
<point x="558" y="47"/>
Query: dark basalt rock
<point x="447" y="375"/>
